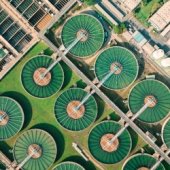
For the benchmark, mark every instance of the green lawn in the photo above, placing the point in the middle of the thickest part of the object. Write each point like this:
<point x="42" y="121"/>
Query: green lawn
<point x="143" y="12"/>
<point x="39" y="113"/>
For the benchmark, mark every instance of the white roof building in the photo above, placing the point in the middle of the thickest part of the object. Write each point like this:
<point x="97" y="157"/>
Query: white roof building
<point x="148" y="48"/>
<point x="165" y="62"/>
<point x="161" y="18"/>
<point x="131" y="4"/>
<point x="113" y="9"/>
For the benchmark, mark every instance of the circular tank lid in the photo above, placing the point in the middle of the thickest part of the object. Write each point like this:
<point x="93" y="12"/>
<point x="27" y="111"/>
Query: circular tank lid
<point x="38" y="85"/>
<point x="159" y="96"/>
<point x="36" y="145"/>
<point x="68" y="166"/>
<point x="122" y="65"/>
<point x="11" y="117"/>
<point x="92" y="30"/>
<point x="141" y="162"/>
<point x="105" y="151"/>
<point x="165" y="132"/>
<point x="71" y="113"/>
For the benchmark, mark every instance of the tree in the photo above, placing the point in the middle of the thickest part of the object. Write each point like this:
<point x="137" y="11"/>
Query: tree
<point x="145" y="2"/>
<point x="119" y="29"/>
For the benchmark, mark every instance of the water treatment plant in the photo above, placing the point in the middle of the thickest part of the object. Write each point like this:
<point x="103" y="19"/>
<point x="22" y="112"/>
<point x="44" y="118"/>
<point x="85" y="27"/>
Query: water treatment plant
<point x="81" y="88"/>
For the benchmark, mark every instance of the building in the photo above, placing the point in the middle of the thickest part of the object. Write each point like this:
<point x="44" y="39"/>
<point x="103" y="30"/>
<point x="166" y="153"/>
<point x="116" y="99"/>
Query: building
<point x="106" y="14"/>
<point x="37" y="13"/>
<point x="16" y="38"/>
<point x="113" y="9"/>
<point x="161" y="18"/>
<point x="148" y="48"/>
<point x="130" y="5"/>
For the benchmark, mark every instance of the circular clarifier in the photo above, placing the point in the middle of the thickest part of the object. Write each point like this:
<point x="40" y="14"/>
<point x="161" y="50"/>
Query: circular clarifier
<point x="120" y="63"/>
<point x="92" y="31"/>
<point x="37" y="81"/>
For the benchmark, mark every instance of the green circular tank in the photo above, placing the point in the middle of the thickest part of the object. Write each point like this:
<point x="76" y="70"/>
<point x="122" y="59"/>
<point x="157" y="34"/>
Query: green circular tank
<point x="38" y="86"/>
<point x="35" y="149"/>
<point x="123" y="65"/>
<point x="11" y="117"/>
<point x="140" y="161"/>
<point x="68" y="166"/>
<point x="113" y="153"/>
<point x="166" y="132"/>
<point x="92" y="29"/>
<point x="160" y="95"/>
<point x="68" y="117"/>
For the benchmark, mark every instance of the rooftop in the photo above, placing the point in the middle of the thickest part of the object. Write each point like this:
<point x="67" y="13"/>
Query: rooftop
<point x="161" y="18"/>
<point x="131" y="4"/>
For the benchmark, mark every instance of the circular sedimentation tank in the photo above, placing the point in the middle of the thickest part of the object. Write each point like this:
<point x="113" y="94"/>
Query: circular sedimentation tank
<point x="36" y="145"/>
<point x="166" y="133"/>
<point x="38" y="85"/>
<point x="123" y="65"/>
<point x="11" y="117"/>
<point x="157" y="94"/>
<point x="71" y="114"/>
<point x="68" y="166"/>
<point x="105" y="151"/>
<point x="141" y="162"/>
<point x="92" y="30"/>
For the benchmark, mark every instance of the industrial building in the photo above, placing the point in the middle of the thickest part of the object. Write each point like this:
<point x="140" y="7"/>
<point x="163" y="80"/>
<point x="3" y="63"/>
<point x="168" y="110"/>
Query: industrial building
<point x="19" y="23"/>
<point x="130" y="5"/>
<point x="38" y="13"/>
<point x="59" y="4"/>
<point x="12" y="32"/>
<point x="16" y="38"/>
<point x="161" y="18"/>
